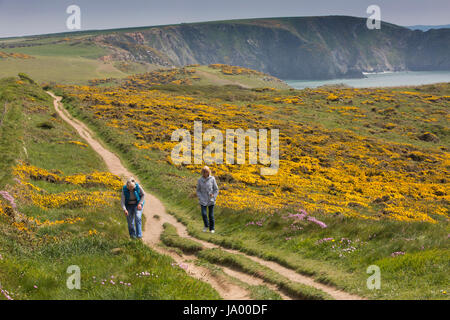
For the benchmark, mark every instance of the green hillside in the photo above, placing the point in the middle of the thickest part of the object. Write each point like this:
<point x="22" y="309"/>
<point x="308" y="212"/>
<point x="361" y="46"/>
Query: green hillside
<point x="56" y="220"/>
<point x="367" y="166"/>
<point x="361" y="175"/>
<point x="289" y="48"/>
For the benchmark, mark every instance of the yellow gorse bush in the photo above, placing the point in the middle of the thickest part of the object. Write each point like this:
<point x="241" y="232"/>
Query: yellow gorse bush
<point x="322" y="170"/>
<point x="24" y="171"/>
<point x="2" y="211"/>
<point x="79" y="143"/>
<point x="55" y="222"/>
<point x="74" y="199"/>
<point x="21" y="226"/>
<point x="93" y="232"/>
<point x="14" y="55"/>
<point x="69" y="199"/>
<point x="234" y="70"/>
<point x="107" y="179"/>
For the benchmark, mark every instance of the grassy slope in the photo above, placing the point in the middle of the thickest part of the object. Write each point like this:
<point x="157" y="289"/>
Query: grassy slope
<point x="40" y="258"/>
<point x="170" y="238"/>
<point x="75" y="61"/>
<point x="420" y="274"/>
<point x="59" y="69"/>
<point x="69" y="62"/>
<point x="219" y="256"/>
<point x="257" y="292"/>
<point x="251" y="81"/>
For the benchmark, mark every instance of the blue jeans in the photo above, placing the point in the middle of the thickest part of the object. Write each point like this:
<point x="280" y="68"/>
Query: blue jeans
<point x="209" y="224"/>
<point x="134" y="220"/>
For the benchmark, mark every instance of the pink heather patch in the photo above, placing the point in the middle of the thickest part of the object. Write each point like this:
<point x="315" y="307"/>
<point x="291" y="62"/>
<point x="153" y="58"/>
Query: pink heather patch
<point x="325" y="240"/>
<point x="181" y="265"/>
<point x="294" y="227"/>
<point x="5" y="293"/>
<point x="35" y="286"/>
<point x="318" y="222"/>
<point x="397" y="253"/>
<point x="298" y="216"/>
<point x="9" y="198"/>
<point x="256" y="223"/>
<point x="302" y="215"/>
<point x="146" y="274"/>
<point x="302" y="211"/>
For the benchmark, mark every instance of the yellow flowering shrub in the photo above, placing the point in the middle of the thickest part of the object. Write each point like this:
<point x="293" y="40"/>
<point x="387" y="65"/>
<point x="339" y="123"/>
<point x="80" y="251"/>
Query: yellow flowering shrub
<point x="234" y="70"/>
<point x="93" y="232"/>
<point x="55" y="222"/>
<point x="2" y="211"/>
<point x="73" y="199"/>
<point x="332" y="171"/>
<point x="79" y="143"/>
<point x="29" y="193"/>
<point x="332" y="97"/>
<point x="14" y="55"/>
<point x="24" y="171"/>
<point x="107" y="179"/>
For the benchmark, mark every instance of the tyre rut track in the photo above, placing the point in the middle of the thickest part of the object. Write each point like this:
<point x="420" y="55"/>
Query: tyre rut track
<point x="154" y="227"/>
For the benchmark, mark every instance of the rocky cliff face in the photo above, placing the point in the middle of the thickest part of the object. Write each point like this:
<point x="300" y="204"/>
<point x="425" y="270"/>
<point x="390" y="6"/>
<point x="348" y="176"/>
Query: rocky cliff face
<point x="429" y="50"/>
<point x="288" y="48"/>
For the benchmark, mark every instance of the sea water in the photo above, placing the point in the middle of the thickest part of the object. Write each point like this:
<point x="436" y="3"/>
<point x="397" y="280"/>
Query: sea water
<point x="384" y="79"/>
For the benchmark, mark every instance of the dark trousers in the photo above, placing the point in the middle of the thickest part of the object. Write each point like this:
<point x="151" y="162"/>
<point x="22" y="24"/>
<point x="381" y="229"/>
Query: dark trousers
<point x="209" y="224"/>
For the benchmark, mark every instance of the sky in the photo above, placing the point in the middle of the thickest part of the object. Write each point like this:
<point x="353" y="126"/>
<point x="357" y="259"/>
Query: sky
<point x="30" y="17"/>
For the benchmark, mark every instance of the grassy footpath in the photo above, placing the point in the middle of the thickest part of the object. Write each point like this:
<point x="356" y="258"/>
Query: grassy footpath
<point x="47" y="228"/>
<point x="413" y="257"/>
<point x="257" y="292"/>
<point x="171" y="238"/>
<point x="244" y="264"/>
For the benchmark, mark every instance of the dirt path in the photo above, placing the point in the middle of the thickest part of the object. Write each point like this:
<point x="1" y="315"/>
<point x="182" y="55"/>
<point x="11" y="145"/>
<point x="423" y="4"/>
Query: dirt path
<point x="154" y="227"/>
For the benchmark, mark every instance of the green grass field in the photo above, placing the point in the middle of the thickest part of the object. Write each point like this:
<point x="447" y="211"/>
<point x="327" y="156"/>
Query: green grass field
<point x="34" y="258"/>
<point x="212" y="76"/>
<point x="55" y="60"/>
<point x="421" y="273"/>
<point x="59" y="69"/>
<point x="76" y="60"/>
<point x="406" y="127"/>
<point x="221" y="257"/>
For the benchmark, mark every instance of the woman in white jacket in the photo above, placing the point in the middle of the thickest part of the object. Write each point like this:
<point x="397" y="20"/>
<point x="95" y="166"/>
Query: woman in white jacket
<point x="207" y="191"/>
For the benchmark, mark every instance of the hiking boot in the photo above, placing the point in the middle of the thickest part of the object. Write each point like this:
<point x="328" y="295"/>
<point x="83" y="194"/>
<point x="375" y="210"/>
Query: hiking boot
<point x="212" y="231"/>
<point x="205" y="229"/>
